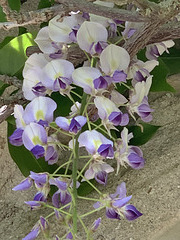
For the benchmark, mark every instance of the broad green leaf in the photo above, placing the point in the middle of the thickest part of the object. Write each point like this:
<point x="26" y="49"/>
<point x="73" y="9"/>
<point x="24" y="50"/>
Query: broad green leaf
<point x="172" y="60"/>
<point x="140" y="137"/>
<point x="13" y="54"/>
<point x="2" y="15"/>
<point x="22" y="30"/>
<point x="15" y="4"/>
<point x="159" y="82"/>
<point x="25" y="161"/>
<point x="85" y="188"/>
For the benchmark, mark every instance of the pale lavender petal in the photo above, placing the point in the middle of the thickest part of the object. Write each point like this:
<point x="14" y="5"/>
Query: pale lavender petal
<point x="119" y="203"/>
<point x="135" y="161"/>
<point x="120" y="191"/>
<point x="39" y="89"/>
<point x="131" y="212"/>
<point x="40" y="197"/>
<point x="51" y="155"/>
<point x="34" y="134"/>
<point x="96" y="224"/>
<point x="60" y="184"/>
<point x="119" y="76"/>
<point x="74" y="126"/>
<point x="63" y="123"/>
<point x="33" y="204"/>
<point x="69" y="236"/>
<point x="39" y="178"/>
<point x="97" y="205"/>
<point x="81" y="120"/>
<point x="16" y="138"/>
<point x="24" y="185"/>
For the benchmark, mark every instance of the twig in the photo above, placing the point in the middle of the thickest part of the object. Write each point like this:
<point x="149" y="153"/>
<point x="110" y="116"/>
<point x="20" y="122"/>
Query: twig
<point x="11" y="81"/>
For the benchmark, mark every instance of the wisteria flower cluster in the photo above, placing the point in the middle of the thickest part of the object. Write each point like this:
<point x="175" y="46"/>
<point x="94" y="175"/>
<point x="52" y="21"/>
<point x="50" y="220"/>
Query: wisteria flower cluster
<point x="98" y="122"/>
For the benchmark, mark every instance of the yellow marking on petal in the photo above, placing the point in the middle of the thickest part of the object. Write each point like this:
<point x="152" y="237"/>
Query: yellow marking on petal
<point x="97" y="143"/>
<point x="89" y="81"/>
<point x="57" y="75"/>
<point x="39" y="115"/>
<point x="36" y="140"/>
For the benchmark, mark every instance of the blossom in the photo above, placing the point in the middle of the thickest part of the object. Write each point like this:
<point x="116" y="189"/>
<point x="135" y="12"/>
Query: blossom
<point x="58" y="74"/>
<point x="114" y="58"/>
<point x="127" y="154"/>
<point x="96" y="143"/>
<point x="117" y="205"/>
<point x="47" y="45"/>
<point x="89" y="34"/>
<point x="95" y="224"/>
<point x="139" y="101"/>
<point x="84" y="77"/>
<point x="33" y="234"/>
<point x="72" y="125"/>
<point x="65" y="31"/>
<point x="110" y="113"/>
<point x="153" y="51"/>
<point x="98" y="170"/>
<point x="38" y="110"/>
<point x="62" y="196"/>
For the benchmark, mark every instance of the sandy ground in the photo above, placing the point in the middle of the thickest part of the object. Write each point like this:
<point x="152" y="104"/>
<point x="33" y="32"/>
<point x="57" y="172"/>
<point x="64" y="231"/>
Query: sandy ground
<point x="155" y="189"/>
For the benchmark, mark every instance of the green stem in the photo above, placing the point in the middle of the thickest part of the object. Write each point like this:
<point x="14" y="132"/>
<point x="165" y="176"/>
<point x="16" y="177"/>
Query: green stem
<point x="95" y="210"/>
<point x="76" y="94"/>
<point x="92" y="185"/>
<point x="82" y="170"/>
<point x="57" y="129"/>
<point x="89" y="199"/>
<point x="74" y="169"/>
<point x="60" y="168"/>
<point x="85" y="228"/>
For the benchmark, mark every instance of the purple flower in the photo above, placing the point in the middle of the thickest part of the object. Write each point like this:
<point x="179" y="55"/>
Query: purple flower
<point x="38" y="151"/>
<point x="33" y="234"/>
<point x="119" y="76"/>
<point x="95" y="224"/>
<point x="62" y="196"/>
<point x="16" y="138"/>
<point x="126" y="154"/>
<point x="116" y="204"/>
<point x="73" y="125"/>
<point x="51" y="155"/>
<point x="106" y="150"/>
<point x="24" y="185"/>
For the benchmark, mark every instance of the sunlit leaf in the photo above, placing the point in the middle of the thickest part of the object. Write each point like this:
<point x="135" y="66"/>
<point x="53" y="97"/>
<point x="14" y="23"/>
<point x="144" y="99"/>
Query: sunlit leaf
<point x="13" y="54"/>
<point x="6" y="41"/>
<point x="140" y="137"/>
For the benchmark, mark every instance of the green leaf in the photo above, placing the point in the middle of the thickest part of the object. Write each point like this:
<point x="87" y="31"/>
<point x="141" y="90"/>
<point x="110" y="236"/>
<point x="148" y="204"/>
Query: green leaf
<point x="172" y="60"/>
<point x="160" y="74"/>
<point x="25" y="161"/>
<point x="13" y="54"/>
<point x="85" y="188"/>
<point x="22" y="30"/>
<point x="15" y="4"/>
<point x="44" y="4"/>
<point x="2" y="15"/>
<point x="140" y="137"/>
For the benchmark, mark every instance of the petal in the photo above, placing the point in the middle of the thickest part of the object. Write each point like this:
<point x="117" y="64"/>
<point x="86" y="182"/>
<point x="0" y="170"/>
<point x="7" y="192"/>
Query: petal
<point x="96" y="224"/>
<point x="38" y="151"/>
<point x="89" y="33"/>
<point x="51" y="155"/>
<point x="101" y="177"/>
<point x="106" y="150"/>
<point x="16" y="138"/>
<point x="112" y="214"/>
<point x="135" y="161"/>
<point x="119" y="76"/>
<point x="81" y="120"/>
<point x="24" y="185"/>
<point x="39" y="178"/>
<point x="84" y="77"/>
<point x="34" y="134"/>
<point x="60" y="184"/>
<point x="119" y="203"/>
<point x="114" y="58"/>
<point x="18" y="114"/>
<point x="63" y="123"/>
<point x="33" y="234"/>
<point x="120" y="191"/>
<point x="131" y="213"/>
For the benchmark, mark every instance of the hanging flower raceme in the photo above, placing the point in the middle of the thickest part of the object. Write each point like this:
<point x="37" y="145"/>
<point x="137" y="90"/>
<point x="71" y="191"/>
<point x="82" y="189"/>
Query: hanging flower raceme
<point x="58" y="76"/>
<point x="117" y="205"/>
<point x="127" y="154"/>
<point x="109" y="113"/>
<point x="139" y="101"/>
<point x="92" y="37"/>
<point x="73" y="125"/>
